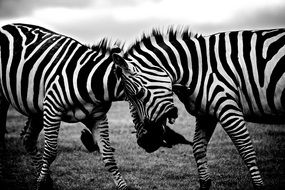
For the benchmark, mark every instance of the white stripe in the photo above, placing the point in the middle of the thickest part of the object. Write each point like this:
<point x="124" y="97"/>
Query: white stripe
<point x="89" y="80"/>
<point x="268" y="42"/>
<point x="78" y="67"/>
<point x="121" y="93"/>
<point x="245" y="73"/>
<point x="152" y="54"/>
<point x="10" y="59"/>
<point x="20" y="72"/>
<point x="64" y="75"/>
<point x="280" y="85"/>
<point x="34" y="70"/>
<point x="199" y="57"/>
<point x="219" y="64"/>
<point x="228" y="52"/>
<point x="42" y="85"/>
<point x="153" y="41"/>
<point x="261" y="91"/>
<point x="178" y="59"/>
<point x="105" y="82"/>
<point x="150" y="73"/>
<point x="51" y="74"/>
<point x="189" y="61"/>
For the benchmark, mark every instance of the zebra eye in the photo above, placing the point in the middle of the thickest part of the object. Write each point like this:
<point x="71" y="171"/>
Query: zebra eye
<point x="140" y="94"/>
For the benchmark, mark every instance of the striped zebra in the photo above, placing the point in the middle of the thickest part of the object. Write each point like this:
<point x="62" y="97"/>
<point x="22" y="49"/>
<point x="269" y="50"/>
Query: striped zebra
<point x="50" y="78"/>
<point x="228" y="77"/>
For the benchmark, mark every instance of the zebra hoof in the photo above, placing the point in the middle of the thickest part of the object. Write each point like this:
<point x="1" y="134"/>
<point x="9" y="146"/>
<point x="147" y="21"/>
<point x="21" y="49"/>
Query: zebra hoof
<point x="44" y="183"/>
<point x="205" y="185"/>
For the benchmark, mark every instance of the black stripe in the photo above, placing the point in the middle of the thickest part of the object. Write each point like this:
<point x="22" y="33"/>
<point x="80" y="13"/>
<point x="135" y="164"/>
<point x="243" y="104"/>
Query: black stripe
<point x="83" y="76"/>
<point x="235" y="60"/>
<point x="198" y="101"/>
<point x="97" y="78"/>
<point x="275" y="47"/>
<point x="17" y="50"/>
<point x="261" y="62"/>
<point x="71" y="65"/>
<point x="276" y="75"/>
<point x="209" y="84"/>
<point x="195" y="67"/>
<point x="247" y="37"/>
<point x="161" y="43"/>
<point x="40" y="69"/>
<point x="4" y="43"/>
<point x="55" y="62"/>
<point x="225" y="64"/>
<point x="28" y="65"/>
<point x="183" y="60"/>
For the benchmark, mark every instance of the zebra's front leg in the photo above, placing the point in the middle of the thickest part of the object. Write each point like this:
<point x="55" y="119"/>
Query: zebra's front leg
<point x="100" y="131"/>
<point x="51" y="123"/>
<point x="233" y="123"/>
<point x="205" y="126"/>
<point x="30" y="136"/>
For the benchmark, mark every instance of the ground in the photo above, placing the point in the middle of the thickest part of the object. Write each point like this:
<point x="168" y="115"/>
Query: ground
<point x="166" y="169"/>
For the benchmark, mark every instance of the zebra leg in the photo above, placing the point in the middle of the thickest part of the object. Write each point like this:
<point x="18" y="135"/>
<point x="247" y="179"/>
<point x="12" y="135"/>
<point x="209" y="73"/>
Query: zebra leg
<point x="100" y="131"/>
<point x="233" y="123"/>
<point x="51" y="124"/>
<point x="4" y="105"/>
<point x="30" y="135"/>
<point x="205" y="126"/>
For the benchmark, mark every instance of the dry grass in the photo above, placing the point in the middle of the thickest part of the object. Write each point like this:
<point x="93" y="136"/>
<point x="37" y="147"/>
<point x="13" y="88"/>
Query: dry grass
<point x="166" y="169"/>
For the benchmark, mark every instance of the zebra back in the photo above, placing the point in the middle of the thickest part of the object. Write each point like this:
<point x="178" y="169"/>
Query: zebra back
<point x="33" y="58"/>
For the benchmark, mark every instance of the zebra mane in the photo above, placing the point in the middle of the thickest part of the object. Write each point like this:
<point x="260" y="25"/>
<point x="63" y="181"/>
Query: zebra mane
<point x="107" y="46"/>
<point x="180" y="32"/>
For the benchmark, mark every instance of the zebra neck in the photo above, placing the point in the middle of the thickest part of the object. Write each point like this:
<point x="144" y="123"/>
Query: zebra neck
<point x="105" y="86"/>
<point x="184" y="60"/>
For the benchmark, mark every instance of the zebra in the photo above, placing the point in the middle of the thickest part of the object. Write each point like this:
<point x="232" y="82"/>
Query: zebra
<point x="228" y="77"/>
<point x="49" y="78"/>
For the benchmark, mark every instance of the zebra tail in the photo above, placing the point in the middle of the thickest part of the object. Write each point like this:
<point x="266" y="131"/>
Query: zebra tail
<point x="88" y="141"/>
<point x="173" y="138"/>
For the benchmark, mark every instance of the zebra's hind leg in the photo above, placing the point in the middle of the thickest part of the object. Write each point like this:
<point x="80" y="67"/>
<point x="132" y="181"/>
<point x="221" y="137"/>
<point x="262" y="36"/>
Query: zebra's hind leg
<point x="100" y="131"/>
<point x="4" y="105"/>
<point x="30" y="135"/>
<point x="205" y="127"/>
<point x="233" y="123"/>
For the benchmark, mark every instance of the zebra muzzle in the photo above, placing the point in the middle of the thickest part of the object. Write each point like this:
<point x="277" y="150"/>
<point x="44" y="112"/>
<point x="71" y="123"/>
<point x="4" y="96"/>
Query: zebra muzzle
<point x="171" y="116"/>
<point x="153" y="135"/>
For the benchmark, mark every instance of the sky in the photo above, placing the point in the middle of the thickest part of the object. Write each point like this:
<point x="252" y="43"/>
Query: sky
<point x="88" y="21"/>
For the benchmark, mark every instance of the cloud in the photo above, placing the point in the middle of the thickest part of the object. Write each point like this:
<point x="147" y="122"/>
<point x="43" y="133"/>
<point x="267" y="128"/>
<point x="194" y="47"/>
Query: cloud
<point x="90" y="31"/>
<point x="266" y="17"/>
<point x="94" y="22"/>
<point x="17" y="8"/>
<point x="90" y="20"/>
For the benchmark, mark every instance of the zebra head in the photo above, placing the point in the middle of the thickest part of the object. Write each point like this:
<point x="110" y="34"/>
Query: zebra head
<point x="150" y="93"/>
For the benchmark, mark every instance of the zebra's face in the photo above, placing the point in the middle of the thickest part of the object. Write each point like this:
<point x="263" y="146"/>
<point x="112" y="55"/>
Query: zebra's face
<point x="150" y="93"/>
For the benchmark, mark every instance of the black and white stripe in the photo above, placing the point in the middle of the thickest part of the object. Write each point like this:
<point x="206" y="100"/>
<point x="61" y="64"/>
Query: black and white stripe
<point x="229" y="77"/>
<point x="51" y="78"/>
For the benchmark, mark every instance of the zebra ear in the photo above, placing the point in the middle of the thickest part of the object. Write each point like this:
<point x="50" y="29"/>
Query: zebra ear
<point x="120" y="61"/>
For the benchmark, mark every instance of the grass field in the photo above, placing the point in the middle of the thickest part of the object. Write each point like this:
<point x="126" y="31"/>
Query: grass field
<point x="166" y="169"/>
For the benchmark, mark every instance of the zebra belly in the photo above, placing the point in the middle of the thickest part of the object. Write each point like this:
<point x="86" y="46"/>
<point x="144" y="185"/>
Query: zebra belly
<point x="26" y="111"/>
<point x="266" y="119"/>
<point x="263" y="105"/>
<point x="77" y="114"/>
